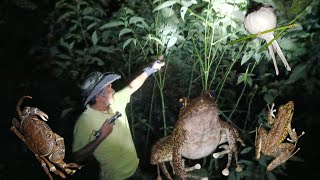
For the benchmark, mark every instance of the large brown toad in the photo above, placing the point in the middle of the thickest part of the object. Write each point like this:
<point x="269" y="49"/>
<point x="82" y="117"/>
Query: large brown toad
<point x="197" y="134"/>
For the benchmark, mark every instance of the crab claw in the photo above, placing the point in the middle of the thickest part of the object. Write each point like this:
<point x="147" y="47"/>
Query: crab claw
<point x="44" y="116"/>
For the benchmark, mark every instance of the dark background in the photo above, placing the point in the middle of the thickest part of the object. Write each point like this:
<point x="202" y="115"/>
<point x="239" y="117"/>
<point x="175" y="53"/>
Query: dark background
<point x="23" y="72"/>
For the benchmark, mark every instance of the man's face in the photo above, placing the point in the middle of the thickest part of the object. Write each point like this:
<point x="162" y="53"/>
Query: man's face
<point x="108" y="94"/>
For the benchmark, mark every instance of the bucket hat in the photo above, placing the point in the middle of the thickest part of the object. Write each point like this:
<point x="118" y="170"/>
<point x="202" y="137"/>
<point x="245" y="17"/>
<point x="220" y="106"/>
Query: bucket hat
<point x="95" y="82"/>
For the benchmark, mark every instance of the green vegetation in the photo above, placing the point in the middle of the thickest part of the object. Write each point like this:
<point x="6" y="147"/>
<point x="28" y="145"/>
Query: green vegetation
<point x="205" y="47"/>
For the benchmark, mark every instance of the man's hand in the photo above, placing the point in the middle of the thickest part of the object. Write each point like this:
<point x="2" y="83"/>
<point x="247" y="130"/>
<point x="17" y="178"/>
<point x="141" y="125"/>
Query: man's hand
<point x="158" y="63"/>
<point x="83" y="154"/>
<point x="105" y="130"/>
<point x="156" y="66"/>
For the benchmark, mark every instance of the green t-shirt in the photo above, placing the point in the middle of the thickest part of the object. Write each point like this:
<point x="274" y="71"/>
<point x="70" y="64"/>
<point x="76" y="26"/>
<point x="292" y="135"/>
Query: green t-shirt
<point x="116" y="154"/>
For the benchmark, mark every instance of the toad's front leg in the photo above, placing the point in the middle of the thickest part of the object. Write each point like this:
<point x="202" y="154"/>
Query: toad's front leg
<point x="178" y="137"/>
<point x="230" y="135"/>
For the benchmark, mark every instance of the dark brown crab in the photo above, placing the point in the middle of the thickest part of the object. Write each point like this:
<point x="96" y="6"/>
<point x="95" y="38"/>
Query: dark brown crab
<point x="47" y="146"/>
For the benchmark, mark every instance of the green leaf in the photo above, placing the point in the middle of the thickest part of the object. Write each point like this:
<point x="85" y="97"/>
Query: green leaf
<point x="268" y="98"/>
<point x="65" y="15"/>
<point x="63" y="56"/>
<point x="71" y="45"/>
<point x="240" y="78"/>
<point x="246" y="150"/>
<point x="246" y="162"/>
<point x="297" y="73"/>
<point x="188" y="3"/>
<point x="297" y="6"/>
<point x="172" y="41"/>
<point x="91" y="25"/>
<point x="134" y="42"/>
<point x="98" y="61"/>
<point x="125" y="31"/>
<point x="87" y="10"/>
<point x="271" y="176"/>
<point x="126" y="43"/>
<point x="246" y="57"/>
<point x="60" y="4"/>
<point x="183" y="11"/>
<point x="232" y="176"/>
<point x="257" y="57"/>
<point x="111" y="24"/>
<point x="79" y="52"/>
<point x="164" y="5"/>
<point x="104" y="49"/>
<point x="135" y="19"/>
<point x="142" y="26"/>
<point x="63" y="43"/>
<point x="155" y="39"/>
<point x="155" y="1"/>
<point x="94" y="38"/>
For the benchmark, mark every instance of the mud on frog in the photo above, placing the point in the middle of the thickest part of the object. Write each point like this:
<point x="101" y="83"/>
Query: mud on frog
<point x="197" y="133"/>
<point x="271" y="143"/>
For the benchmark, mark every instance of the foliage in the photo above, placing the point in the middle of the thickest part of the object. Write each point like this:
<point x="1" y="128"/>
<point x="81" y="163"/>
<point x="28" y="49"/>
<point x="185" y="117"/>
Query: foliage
<point x="195" y="38"/>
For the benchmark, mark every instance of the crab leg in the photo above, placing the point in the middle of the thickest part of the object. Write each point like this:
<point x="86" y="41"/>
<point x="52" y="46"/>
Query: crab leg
<point x="44" y="166"/>
<point x="15" y="130"/>
<point x="53" y="168"/>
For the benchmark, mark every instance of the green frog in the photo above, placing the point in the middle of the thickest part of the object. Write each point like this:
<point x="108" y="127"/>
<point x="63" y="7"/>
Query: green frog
<point x="272" y="143"/>
<point x="198" y="132"/>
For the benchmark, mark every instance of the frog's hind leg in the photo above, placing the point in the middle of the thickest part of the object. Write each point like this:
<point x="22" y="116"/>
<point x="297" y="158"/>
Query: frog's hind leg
<point x="282" y="154"/>
<point x="164" y="170"/>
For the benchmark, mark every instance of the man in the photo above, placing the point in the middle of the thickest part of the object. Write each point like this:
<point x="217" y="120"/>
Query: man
<point x="111" y="144"/>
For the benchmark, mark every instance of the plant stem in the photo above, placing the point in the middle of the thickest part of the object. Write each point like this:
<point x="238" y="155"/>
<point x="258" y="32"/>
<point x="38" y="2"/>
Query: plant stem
<point x="249" y="106"/>
<point x="150" y="116"/>
<point x="141" y="47"/>
<point x="194" y="63"/>
<point x="82" y="31"/>
<point x="263" y="32"/>
<point x="225" y="77"/>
